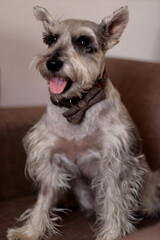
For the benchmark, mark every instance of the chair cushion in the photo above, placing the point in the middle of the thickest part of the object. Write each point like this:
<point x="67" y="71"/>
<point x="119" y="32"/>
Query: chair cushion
<point x="74" y="226"/>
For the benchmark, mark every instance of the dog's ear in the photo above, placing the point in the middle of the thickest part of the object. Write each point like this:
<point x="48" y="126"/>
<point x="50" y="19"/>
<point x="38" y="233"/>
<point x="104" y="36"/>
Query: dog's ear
<point x="113" y="26"/>
<point x="43" y="15"/>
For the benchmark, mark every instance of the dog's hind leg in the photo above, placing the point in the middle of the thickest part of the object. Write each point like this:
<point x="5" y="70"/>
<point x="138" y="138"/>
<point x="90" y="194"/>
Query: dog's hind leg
<point x="84" y="196"/>
<point x="118" y="190"/>
<point x="151" y="195"/>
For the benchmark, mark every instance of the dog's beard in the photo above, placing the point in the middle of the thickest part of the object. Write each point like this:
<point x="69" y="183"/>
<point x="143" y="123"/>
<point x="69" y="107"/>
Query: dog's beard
<point x="72" y="89"/>
<point x="71" y="81"/>
<point x="66" y="85"/>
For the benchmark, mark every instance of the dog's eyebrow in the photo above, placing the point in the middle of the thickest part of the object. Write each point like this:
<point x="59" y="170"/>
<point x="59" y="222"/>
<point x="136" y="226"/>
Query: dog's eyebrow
<point x="49" y="38"/>
<point x="88" y="32"/>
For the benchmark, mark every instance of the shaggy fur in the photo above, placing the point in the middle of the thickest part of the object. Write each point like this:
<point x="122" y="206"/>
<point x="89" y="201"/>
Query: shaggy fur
<point x="101" y="158"/>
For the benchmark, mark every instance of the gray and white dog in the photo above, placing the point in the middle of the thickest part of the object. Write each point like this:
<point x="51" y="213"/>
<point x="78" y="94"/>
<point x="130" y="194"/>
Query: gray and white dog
<point x="86" y="139"/>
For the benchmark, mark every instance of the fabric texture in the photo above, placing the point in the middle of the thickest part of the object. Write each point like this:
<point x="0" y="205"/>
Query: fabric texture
<point x="76" y="113"/>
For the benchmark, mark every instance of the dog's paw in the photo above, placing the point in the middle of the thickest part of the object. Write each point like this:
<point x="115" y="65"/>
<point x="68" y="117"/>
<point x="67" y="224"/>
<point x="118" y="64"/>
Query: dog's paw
<point x="20" y="234"/>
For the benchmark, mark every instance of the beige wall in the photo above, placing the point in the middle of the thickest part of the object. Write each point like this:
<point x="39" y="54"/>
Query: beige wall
<point x="20" y="40"/>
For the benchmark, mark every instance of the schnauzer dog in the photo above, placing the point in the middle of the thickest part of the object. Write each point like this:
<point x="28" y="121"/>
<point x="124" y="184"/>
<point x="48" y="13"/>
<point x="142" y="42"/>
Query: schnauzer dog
<point x="86" y="140"/>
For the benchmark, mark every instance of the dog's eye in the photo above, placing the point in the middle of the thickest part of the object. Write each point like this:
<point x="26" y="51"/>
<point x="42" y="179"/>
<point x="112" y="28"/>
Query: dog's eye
<point x="83" y="41"/>
<point x="48" y="38"/>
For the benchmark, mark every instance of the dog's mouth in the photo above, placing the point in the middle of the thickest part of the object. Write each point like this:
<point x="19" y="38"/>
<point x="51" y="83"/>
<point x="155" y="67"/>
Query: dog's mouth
<point x="59" y="85"/>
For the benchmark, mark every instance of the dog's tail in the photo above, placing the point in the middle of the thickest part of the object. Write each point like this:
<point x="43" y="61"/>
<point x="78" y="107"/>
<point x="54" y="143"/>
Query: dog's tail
<point x="151" y="194"/>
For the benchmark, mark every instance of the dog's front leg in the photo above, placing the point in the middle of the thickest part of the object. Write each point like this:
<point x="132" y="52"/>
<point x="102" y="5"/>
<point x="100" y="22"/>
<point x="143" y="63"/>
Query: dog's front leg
<point x="41" y="219"/>
<point x="47" y="171"/>
<point x="38" y="220"/>
<point x="118" y="190"/>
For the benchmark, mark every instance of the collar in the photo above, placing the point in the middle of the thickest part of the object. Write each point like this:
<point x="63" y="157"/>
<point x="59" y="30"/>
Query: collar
<point x="68" y="103"/>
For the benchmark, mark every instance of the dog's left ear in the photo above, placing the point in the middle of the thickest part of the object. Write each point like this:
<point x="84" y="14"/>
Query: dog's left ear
<point x="113" y="26"/>
<point x="43" y="15"/>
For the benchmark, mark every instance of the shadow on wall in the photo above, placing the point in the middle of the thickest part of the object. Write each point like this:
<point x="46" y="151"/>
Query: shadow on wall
<point x="156" y="47"/>
<point x="20" y="84"/>
<point x="0" y="88"/>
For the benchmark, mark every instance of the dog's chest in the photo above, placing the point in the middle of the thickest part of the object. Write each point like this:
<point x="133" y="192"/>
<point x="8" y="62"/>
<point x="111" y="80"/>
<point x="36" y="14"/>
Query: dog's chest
<point x="75" y="149"/>
<point x="84" y="152"/>
<point x="80" y="145"/>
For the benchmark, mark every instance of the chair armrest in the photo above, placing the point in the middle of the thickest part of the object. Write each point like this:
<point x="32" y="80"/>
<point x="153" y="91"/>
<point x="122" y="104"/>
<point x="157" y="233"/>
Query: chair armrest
<point x="14" y="123"/>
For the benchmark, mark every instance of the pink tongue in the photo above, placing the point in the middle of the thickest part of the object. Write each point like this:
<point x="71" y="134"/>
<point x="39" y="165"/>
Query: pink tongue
<point x="57" y="85"/>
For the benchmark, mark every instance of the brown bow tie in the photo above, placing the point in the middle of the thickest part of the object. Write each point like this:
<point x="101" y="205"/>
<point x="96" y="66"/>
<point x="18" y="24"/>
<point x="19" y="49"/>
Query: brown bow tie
<point x="76" y="113"/>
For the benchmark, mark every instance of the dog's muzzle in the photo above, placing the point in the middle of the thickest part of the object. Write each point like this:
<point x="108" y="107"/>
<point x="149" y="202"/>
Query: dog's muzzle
<point x="58" y="84"/>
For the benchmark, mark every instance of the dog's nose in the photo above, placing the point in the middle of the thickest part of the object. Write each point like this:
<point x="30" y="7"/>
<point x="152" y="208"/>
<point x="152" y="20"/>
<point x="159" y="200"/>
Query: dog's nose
<point x="54" y="66"/>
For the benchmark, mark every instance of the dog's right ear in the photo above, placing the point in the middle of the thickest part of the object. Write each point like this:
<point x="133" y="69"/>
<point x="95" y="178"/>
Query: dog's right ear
<point x="43" y="15"/>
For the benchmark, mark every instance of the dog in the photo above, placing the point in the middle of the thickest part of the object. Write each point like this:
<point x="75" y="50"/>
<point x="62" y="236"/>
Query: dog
<point x="85" y="141"/>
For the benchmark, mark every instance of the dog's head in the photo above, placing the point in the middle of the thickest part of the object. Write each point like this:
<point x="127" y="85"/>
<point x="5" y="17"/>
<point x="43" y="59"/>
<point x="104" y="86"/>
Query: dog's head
<point x="74" y="59"/>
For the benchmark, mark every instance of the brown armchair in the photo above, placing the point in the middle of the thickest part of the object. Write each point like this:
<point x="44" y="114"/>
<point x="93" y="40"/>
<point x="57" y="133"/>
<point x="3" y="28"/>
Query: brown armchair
<point x="139" y="85"/>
